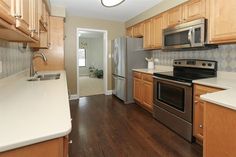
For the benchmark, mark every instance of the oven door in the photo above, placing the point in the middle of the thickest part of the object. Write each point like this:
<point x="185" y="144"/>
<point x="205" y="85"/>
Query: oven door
<point x="174" y="97"/>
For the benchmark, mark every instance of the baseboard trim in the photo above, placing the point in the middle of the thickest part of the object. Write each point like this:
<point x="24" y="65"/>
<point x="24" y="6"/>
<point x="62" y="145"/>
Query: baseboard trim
<point x="74" y="97"/>
<point x="109" y="92"/>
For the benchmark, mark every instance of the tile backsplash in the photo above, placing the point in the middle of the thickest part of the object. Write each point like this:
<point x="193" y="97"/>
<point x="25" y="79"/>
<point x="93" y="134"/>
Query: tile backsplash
<point x="14" y="58"/>
<point x="225" y="55"/>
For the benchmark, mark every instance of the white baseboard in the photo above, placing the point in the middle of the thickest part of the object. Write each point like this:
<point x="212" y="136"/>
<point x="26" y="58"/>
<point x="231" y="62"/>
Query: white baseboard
<point x="74" y="97"/>
<point x="109" y="92"/>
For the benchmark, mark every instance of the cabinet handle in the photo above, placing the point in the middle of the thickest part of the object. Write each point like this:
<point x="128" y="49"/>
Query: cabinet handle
<point x="195" y="101"/>
<point x="70" y="142"/>
<point x="200" y="126"/>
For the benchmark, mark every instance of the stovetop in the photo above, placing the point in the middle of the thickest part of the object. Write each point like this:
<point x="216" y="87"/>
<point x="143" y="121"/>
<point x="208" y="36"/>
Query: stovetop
<point x="183" y="77"/>
<point x="187" y="70"/>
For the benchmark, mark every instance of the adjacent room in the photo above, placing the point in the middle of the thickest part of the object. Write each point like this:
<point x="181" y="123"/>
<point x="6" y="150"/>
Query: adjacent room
<point x="90" y="63"/>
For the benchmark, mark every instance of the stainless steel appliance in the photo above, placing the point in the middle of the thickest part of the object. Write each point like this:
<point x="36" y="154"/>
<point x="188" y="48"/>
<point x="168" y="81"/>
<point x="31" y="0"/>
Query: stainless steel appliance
<point x="187" y="35"/>
<point x="127" y="54"/>
<point x="173" y="93"/>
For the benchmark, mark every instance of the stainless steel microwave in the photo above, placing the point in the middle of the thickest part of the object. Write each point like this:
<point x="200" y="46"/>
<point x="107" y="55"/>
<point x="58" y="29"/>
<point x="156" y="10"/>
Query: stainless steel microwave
<point x="187" y="35"/>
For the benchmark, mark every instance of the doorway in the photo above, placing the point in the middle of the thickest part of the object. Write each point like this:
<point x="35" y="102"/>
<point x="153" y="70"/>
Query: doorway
<point x="91" y="62"/>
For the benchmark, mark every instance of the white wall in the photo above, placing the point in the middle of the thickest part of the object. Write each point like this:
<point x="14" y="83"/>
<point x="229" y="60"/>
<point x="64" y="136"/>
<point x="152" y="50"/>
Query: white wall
<point x="94" y="54"/>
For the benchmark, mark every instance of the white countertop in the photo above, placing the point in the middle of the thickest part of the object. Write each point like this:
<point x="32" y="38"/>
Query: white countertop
<point x="32" y="112"/>
<point x="226" y="97"/>
<point x="157" y="69"/>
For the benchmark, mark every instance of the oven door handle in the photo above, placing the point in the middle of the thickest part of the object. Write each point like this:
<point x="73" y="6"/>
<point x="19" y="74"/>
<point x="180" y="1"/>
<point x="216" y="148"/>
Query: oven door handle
<point x="173" y="81"/>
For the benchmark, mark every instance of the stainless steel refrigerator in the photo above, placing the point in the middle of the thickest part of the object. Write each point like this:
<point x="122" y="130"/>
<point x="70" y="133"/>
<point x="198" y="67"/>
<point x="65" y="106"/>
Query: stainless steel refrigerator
<point x="127" y="54"/>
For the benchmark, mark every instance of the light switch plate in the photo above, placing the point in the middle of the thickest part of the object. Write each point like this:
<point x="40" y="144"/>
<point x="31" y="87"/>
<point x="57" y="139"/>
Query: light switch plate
<point x="0" y="67"/>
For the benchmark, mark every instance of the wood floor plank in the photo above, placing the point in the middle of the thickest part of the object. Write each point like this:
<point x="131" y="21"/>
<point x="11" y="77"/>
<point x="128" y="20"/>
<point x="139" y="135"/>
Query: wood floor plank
<point x="103" y="126"/>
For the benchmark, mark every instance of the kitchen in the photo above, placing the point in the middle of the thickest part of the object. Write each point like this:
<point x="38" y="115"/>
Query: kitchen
<point x="179" y="103"/>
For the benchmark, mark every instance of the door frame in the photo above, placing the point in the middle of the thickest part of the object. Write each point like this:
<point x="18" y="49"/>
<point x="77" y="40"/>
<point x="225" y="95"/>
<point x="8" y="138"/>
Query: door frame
<point x="105" y="58"/>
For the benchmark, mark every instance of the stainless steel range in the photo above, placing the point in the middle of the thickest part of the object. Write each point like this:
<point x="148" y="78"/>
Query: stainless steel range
<point x="173" y="93"/>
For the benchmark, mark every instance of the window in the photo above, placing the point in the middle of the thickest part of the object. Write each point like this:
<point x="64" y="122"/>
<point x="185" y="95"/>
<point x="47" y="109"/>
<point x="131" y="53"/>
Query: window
<point x="82" y="57"/>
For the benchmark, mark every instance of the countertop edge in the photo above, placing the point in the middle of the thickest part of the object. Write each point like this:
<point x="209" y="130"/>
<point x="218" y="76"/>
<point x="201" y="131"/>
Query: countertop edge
<point x="35" y="141"/>
<point x="205" y="98"/>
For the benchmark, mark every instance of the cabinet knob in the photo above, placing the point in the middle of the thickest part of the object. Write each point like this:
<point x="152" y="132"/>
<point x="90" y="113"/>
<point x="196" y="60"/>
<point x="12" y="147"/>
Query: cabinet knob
<point x="200" y="126"/>
<point x="196" y="101"/>
<point x="70" y="142"/>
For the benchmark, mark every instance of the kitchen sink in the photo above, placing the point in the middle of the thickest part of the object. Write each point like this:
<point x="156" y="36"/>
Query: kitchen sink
<point x="44" y="77"/>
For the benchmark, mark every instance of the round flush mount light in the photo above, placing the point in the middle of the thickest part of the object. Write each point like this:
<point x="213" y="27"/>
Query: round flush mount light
<point x="111" y="3"/>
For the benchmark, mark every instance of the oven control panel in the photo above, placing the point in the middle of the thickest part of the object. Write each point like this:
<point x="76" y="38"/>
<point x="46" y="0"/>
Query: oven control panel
<point x="195" y="63"/>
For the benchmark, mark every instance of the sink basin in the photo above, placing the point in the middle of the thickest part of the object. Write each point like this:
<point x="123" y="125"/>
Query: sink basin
<point x="45" y="77"/>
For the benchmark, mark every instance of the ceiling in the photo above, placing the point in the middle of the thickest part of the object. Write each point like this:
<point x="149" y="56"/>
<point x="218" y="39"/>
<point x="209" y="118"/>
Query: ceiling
<point x="94" y="9"/>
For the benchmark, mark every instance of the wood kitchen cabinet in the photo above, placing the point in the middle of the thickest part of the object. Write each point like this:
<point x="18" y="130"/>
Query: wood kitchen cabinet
<point x="194" y="9"/>
<point x="7" y="11"/>
<point x="198" y="110"/>
<point x="23" y="16"/>
<point x="34" y="20"/>
<point x="219" y="133"/>
<point x="222" y="21"/>
<point x="44" y="31"/>
<point x="129" y="32"/>
<point x="138" y="30"/>
<point x="158" y="27"/>
<point x="148" y="37"/>
<point x="143" y="90"/>
<point x="174" y="16"/>
<point x="52" y="148"/>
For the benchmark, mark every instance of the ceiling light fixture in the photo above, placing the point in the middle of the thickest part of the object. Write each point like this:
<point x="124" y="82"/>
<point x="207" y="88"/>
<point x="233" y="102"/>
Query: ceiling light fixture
<point x="111" y="3"/>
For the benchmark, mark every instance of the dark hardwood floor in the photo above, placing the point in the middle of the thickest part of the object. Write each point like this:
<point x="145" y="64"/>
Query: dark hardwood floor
<point x="105" y="127"/>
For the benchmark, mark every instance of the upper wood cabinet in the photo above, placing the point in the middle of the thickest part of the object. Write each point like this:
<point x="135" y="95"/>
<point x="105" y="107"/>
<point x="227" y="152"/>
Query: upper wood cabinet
<point x="138" y="30"/>
<point x="194" y="9"/>
<point x="22" y="13"/>
<point x="34" y="19"/>
<point x="148" y="35"/>
<point x="222" y="21"/>
<point x="157" y="34"/>
<point x="7" y="11"/>
<point x="129" y="32"/>
<point x="174" y="16"/>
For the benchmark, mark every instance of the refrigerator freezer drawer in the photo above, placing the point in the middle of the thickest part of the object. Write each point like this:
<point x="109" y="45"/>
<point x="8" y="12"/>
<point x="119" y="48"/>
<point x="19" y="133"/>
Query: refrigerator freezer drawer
<point x="119" y="87"/>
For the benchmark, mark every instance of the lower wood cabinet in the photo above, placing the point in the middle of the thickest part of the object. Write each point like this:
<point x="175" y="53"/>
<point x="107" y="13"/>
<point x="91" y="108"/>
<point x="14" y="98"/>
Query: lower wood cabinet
<point x="198" y="110"/>
<point x="219" y="133"/>
<point x="52" y="148"/>
<point x="143" y="90"/>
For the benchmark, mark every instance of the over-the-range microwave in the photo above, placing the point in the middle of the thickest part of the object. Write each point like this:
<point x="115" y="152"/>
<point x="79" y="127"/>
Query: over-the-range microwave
<point x="187" y="35"/>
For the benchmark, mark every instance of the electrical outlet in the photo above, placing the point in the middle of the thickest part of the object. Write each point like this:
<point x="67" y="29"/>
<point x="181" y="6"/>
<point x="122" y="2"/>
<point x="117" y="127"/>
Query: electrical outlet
<point x="0" y="67"/>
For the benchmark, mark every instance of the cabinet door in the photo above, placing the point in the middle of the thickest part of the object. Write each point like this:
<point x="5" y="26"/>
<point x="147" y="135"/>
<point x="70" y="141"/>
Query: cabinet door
<point x="34" y="19"/>
<point x="7" y="11"/>
<point x="147" y="94"/>
<point x="198" y="119"/>
<point x="129" y="32"/>
<point x="194" y="9"/>
<point x="138" y="30"/>
<point x="222" y="21"/>
<point x="174" y="16"/>
<point x="23" y="15"/>
<point x="157" y="26"/>
<point x="137" y="90"/>
<point x="147" y="36"/>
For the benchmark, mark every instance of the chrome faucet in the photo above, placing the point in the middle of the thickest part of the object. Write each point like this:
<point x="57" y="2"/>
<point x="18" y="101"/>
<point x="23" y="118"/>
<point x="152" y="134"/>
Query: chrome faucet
<point x="33" y="56"/>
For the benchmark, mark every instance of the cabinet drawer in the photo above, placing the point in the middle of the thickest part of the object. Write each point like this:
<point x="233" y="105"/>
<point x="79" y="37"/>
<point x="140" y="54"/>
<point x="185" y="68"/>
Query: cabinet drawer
<point x="147" y="77"/>
<point x="199" y="90"/>
<point x="137" y="75"/>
